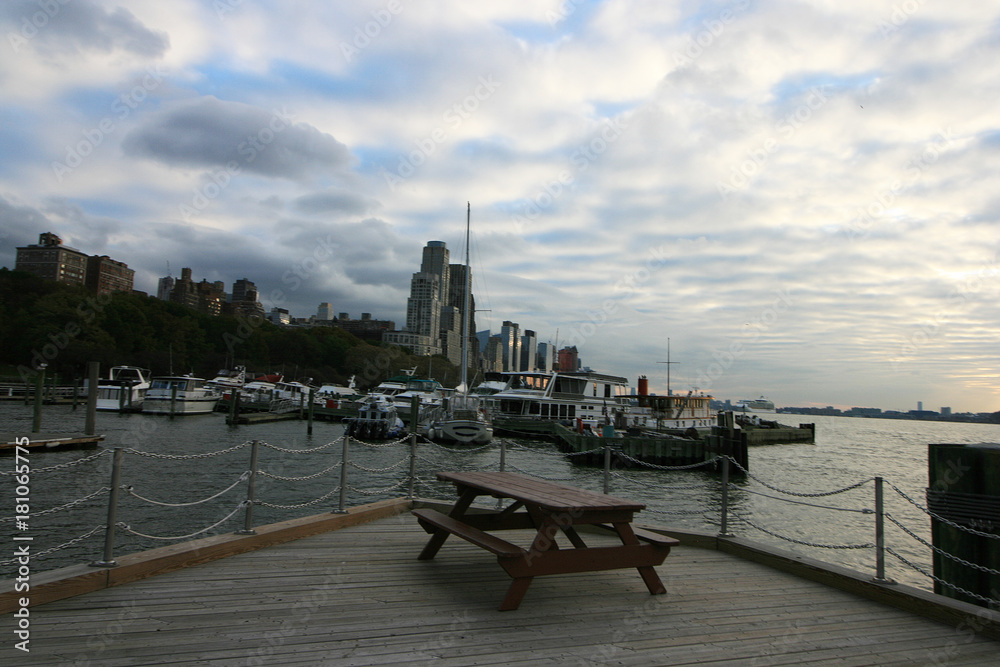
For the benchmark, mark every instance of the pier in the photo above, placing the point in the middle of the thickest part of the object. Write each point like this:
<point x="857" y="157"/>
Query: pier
<point x="8" y="441"/>
<point x="329" y="597"/>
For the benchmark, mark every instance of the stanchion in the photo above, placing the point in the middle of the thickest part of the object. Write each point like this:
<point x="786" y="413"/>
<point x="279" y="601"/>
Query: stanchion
<point x="723" y="527"/>
<point x="109" y="533"/>
<point x="342" y="508"/>
<point x="413" y="462"/>
<point x="880" y="536"/>
<point x="607" y="467"/>
<point x="251" y="488"/>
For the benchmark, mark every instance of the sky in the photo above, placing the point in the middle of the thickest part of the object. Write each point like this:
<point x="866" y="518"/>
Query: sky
<point x="798" y="198"/>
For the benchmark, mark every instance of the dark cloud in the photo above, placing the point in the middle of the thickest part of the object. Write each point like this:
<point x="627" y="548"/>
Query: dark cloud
<point x="209" y="132"/>
<point x="69" y="28"/>
<point x="335" y="201"/>
<point x="19" y="226"/>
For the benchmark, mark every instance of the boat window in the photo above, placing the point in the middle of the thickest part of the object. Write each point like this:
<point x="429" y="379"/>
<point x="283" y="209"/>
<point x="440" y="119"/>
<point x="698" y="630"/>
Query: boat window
<point x="567" y="385"/>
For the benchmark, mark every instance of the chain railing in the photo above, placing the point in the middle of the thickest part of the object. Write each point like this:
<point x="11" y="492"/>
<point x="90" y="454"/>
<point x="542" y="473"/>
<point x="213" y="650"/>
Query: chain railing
<point x="413" y="472"/>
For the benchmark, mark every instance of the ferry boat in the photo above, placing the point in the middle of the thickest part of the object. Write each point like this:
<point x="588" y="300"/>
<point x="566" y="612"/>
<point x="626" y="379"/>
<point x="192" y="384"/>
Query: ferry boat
<point x="754" y="406"/>
<point x="179" y="395"/>
<point x="124" y="389"/>
<point x="587" y="399"/>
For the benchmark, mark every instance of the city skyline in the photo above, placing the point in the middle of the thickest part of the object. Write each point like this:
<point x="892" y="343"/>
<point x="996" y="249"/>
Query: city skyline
<point x="798" y="195"/>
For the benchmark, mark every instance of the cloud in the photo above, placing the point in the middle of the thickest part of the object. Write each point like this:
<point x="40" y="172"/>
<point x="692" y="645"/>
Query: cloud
<point x="63" y="29"/>
<point x="212" y="133"/>
<point x="335" y="201"/>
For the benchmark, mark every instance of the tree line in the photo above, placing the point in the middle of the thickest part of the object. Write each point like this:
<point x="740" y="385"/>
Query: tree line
<point x="66" y="326"/>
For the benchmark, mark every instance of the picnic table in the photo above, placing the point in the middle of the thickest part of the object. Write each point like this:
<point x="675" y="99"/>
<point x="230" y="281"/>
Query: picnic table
<point x="549" y="508"/>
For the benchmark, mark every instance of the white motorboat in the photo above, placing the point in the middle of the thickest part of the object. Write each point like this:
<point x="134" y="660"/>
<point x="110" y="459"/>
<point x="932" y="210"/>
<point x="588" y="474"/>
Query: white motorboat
<point x="756" y="406"/>
<point x="124" y="390"/>
<point x="226" y="382"/>
<point x="179" y="395"/>
<point x="377" y="420"/>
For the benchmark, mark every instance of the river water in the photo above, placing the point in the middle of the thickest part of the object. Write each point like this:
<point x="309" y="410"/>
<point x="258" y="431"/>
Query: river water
<point x="847" y="451"/>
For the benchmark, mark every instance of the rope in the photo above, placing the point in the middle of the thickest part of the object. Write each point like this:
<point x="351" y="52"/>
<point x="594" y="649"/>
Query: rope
<point x="128" y="529"/>
<point x="243" y="478"/>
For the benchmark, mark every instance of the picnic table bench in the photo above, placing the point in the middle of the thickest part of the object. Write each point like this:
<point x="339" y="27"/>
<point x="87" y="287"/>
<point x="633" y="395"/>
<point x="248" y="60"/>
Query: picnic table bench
<point x="549" y="508"/>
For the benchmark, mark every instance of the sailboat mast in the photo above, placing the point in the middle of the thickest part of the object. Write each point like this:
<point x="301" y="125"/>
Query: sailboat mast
<point x="465" y="309"/>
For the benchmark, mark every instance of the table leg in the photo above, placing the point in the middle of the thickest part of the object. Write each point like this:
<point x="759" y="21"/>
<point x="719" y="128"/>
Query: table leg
<point x="515" y="593"/>
<point x="648" y="574"/>
<point x="440" y="535"/>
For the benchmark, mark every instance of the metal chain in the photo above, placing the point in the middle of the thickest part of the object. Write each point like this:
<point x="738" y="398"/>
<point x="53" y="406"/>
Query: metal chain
<point x="658" y="467"/>
<point x="464" y="450"/>
<point x="795" y="493"/>
<point x="61" y="466"/>
<point x="378" y="491"/>
<point x="128" y="529"/>
<point x="807" y="544"/>
<point x="692" y="487"/>
<point x="939" y="550"/>
<point x="42" y="554"/>
<point x="380" y="445"/>
<point x="972" y="531"/>
<point x="52" y="510"/>
<point x="300" y="479"/>
<point x="187" y="456"/>
<point x="302" y="451"/>
<point x="675" y="512"/>
<point x="863" y="510"/>
<point x="989" y="601"/>
<point x="299" y="506"/>
<point x="392" y="467"/>
<point x="243" y="478"/>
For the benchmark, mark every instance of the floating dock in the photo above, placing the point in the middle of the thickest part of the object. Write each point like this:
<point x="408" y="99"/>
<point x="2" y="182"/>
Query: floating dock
<point x="36" y="441"/>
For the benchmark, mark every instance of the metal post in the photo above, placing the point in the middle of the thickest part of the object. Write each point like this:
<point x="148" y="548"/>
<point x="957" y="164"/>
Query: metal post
<point x="251" y="488"/>
<point x="173" y="398"/>
<point x="413" y="462"/>
<point x="341" y="509"/>
<point x="36" y="422"/>
<point x="880" y="535"/>
<point x="723" y="528"/>
<point x="93" y="369"/>
<point x="607" y="467"/>
<point x="503" y="455"/>
<point x="76" y="392"/>
<point x="109" y="533"/>
<point x="312" y="404"/>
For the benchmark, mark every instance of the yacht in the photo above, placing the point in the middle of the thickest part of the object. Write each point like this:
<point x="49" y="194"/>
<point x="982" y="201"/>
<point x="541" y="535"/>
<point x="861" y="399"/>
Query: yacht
<point x="756" y="406"/>
<point x="179" y="395"/>
<point x="123" y="390"/>
<point x="562" y="396"/>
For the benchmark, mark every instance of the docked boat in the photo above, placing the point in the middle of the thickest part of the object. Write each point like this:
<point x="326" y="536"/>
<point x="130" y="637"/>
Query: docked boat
<point x="464" y="419"/>
<point x="758" y="406"/>
<point x="377" y="420"/>
<point x="124" y="390"/>
<point x="401" y="390"/>
<point x="226" y="381"/>
<point x="179" y="395"/>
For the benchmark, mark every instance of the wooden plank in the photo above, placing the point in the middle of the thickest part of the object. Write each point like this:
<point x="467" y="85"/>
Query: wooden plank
<point x="496" y="545"/>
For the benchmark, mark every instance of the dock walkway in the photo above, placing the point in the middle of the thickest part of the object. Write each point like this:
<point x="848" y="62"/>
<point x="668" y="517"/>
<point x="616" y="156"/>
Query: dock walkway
<point x="334" y="599"/>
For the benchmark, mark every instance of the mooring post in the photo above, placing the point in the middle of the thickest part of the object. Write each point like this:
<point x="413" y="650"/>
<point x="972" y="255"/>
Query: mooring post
<point x="36" y="422"/>
<point x="234" y="405"/>
<point x="109" y="533"/>
<point x="723" y="527"/>
<point x="607" y="467"/>
<point x="251" y="488"/>
<point x="76" y="392"/>
<point x="312" y="404"/>
<point x="341" y="509"/>
<point x="93" y="369"/>
<point x="413" y="462"/>
<point x="503" y="455"/>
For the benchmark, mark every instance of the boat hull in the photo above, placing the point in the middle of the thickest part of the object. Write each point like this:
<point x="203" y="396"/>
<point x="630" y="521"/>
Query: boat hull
<point x="184" y="405"/>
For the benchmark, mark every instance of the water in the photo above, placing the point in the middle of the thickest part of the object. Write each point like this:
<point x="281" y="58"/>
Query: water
<point x="847" y="451"/>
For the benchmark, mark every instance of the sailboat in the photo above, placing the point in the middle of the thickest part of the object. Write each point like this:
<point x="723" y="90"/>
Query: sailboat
<point x="465" y="420"/>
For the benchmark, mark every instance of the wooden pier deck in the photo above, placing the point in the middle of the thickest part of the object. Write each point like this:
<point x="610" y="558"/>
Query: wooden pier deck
<point x="359" y="596"/>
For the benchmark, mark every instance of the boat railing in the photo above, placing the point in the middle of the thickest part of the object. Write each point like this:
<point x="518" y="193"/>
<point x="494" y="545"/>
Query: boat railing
<point x="226" y="487"/>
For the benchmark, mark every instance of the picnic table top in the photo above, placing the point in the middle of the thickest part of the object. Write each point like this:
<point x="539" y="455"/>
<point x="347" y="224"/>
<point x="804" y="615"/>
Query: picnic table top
<point x="540" y="492"/>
